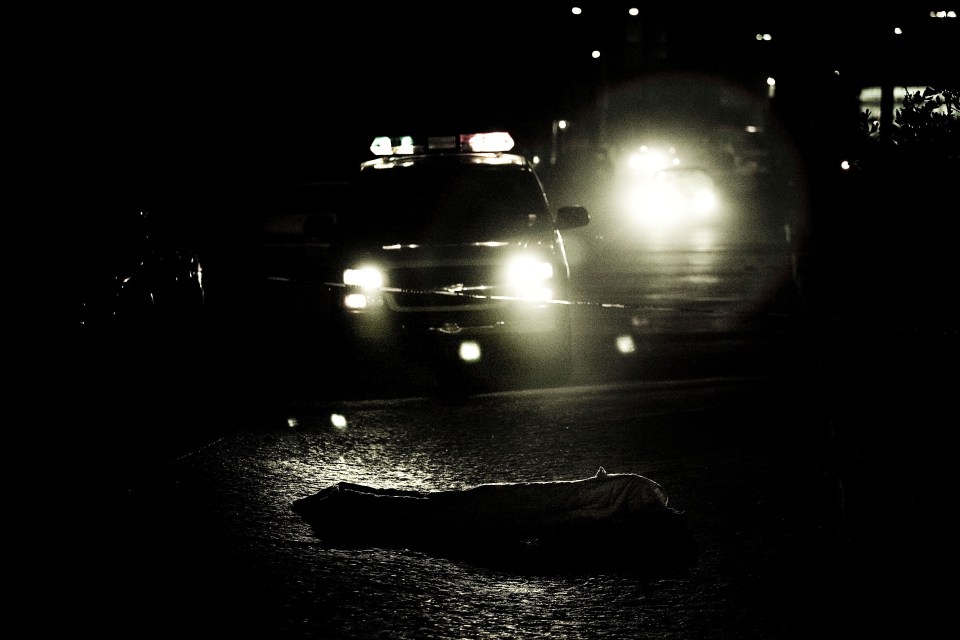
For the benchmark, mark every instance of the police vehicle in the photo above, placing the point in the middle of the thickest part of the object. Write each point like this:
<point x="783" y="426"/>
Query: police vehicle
<point x="448" y="245"/>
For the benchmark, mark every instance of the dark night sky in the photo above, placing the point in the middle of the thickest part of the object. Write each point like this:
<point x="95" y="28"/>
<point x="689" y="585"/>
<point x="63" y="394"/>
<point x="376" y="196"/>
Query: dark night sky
<point x="247" y="88"/>
<point x="240" y="91"/>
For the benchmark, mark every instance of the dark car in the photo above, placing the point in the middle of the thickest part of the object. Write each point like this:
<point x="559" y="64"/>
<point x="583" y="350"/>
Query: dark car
<point x="134" y="273"/>
<point x="449" y="246"/>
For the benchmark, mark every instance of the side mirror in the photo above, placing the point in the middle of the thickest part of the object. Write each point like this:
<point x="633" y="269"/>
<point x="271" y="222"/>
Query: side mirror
<point x="572" y="217"/>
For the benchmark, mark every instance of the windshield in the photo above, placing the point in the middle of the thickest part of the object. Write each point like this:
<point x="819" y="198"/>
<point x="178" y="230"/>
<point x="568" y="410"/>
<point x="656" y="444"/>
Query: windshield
<point x="450" y="202"/>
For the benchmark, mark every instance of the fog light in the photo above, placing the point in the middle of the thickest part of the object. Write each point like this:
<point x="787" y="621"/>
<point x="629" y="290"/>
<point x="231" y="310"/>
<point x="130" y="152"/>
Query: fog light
<point x="355" y="301"/>
<point x="469" y="351"/>
<point x="626" y="344"/>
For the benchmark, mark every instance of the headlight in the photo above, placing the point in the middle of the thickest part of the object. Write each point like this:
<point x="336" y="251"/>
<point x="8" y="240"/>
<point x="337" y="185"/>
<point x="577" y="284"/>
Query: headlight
<point x="356" y="301"/>
<point x="672" y="199"/>
<point x="530" y="277"/>
<point x="647" y="161"/>
<point x="703" y="202"/>
<point x="365" y="277"/>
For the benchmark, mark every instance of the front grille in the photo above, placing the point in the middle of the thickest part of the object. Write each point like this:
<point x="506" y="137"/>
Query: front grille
<point x="423" y="301"/>
<point x="438" y="277"/>
<point x="445" y="287"/>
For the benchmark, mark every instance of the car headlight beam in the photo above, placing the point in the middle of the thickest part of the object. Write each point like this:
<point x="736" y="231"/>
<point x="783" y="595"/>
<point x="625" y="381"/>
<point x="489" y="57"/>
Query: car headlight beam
<point x="366" y="278"/>
<point x="529" y="277"/>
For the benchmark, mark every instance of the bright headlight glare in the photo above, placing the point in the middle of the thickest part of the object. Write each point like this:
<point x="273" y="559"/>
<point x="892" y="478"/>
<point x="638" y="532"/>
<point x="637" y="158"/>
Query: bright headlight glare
<point x="365" y="277"/>
<point x="529" y="276"/>
<point x="469" y="351"/>
<point x="704" y="201"/>
<point x="355" y="301"/>
<point x="526" y="271"/>
<point x="648" y="160"/>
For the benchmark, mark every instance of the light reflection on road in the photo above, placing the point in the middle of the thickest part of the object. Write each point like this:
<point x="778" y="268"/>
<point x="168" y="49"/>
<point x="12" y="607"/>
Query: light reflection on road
<point x="246" y="483"/>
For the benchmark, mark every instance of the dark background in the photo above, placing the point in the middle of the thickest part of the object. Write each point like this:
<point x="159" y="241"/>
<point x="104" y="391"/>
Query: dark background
<point x="198" y="112"/>
<point x="178" y="92"/>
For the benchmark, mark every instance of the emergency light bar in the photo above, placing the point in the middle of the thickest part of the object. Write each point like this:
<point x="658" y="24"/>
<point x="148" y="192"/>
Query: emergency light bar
<point x="494" y="141"/>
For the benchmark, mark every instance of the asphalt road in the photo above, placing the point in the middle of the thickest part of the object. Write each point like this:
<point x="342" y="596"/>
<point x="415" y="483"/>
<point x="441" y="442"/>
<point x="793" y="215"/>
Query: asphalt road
<point x="808" y="461"/>
<point x="795" y="537"/>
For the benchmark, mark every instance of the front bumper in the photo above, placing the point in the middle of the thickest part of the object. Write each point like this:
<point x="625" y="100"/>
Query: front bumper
<point x="395" y="315"/>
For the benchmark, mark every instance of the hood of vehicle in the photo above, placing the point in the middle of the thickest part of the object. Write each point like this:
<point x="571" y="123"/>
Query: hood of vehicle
<point x="444" y="253"/>
<point x="441" y="248"/>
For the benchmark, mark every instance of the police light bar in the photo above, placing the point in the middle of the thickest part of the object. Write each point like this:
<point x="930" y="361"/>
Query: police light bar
<point x="496" y="141"/>
<point x="387" y="146"/>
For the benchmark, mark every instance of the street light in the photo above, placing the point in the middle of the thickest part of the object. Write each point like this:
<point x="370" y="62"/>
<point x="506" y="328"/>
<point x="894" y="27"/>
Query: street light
<point x="556" y="127"/>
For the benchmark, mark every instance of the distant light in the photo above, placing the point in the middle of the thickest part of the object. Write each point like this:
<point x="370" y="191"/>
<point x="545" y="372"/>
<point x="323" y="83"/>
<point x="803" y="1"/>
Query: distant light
<point x="562" y="124"/>
<point x="293" y="423"/>
<point x="648" y="160"/>
<point x="633" y="11"/>
<point x="771" y="87"/>
<point x="898" y="31"/>
<point x="844" y="165"/>
<point x="943" y="14"/>
<point x="338" y="421"/>
<point x="764" y="37"/>
<point x="771" y="81"/>
<point x="595" y="54"/>
<point x="576" y="11"/>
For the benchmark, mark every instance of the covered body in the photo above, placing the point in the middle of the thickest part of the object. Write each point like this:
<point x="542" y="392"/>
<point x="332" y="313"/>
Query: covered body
<point x="606" y="510"/>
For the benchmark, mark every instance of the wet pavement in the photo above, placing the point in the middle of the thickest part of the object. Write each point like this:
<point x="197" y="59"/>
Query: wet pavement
<point x="816" y="495"/>
<point x="807" y="456"/>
